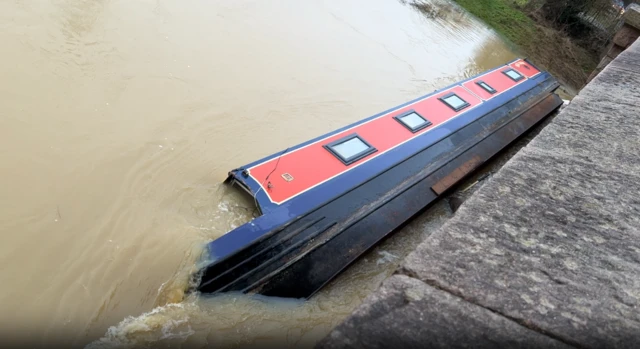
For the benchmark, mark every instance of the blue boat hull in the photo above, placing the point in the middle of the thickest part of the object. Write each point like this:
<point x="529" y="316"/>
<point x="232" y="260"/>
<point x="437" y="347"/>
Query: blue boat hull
<point x="296" y="248"/>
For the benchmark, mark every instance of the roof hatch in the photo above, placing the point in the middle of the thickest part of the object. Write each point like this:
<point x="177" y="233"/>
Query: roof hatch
<point x="514" y="75"/>
<point x="412" y="121"/>
<point x="350" y="149"/>
<point x="454" y="101"/>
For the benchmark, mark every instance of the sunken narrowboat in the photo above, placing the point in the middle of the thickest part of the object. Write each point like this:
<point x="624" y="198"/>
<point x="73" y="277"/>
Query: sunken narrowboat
<point x="325" y="202"/>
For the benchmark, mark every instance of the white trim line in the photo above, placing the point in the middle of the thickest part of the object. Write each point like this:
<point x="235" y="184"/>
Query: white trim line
<point x="473" y="93"/>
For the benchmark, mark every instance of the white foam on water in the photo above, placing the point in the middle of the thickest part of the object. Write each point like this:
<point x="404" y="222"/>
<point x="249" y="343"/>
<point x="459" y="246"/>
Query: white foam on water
<point x="223" y="206"/>
<point x="168" y="322"/>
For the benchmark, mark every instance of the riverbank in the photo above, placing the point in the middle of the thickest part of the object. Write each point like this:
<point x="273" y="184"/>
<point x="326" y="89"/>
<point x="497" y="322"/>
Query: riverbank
<point x="552" y="49"/>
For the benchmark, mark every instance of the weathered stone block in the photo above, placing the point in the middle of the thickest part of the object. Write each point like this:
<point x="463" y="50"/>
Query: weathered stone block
<point x="407" y="313"/>
<point x="604" y="62"/>
<point x="626" y="36"/>
<point x="614" y="51"/>
<point x="632" y="15"/>
<point x="551" y="241"/>
<point x="593" y="74"/>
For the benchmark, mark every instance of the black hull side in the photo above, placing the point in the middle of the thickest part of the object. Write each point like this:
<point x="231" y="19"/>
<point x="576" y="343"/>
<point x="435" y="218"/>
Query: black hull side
<point x="298" y="259"/>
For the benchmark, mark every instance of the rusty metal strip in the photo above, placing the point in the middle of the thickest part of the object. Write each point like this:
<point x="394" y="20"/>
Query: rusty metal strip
<point x="452" y="178"/>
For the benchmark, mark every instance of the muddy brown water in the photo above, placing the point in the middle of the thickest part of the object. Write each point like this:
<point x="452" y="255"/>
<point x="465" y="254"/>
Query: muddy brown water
<point x="120" y="118"/>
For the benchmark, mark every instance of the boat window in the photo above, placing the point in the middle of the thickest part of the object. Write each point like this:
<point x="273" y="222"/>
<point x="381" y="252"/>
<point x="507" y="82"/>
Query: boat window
<point x="412" y="120"/>
<point x="514" y="75"/>
<point x="486" y="87"/>
<point x="350" y="149"/>
<point x="454" y="101"/>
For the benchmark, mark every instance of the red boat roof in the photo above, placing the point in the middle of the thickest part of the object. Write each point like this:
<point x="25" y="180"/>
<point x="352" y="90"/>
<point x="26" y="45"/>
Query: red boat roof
<point x="301" y="169"/>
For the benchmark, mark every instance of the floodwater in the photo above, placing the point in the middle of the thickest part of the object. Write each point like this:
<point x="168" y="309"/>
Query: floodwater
<point x="120" y="118"/>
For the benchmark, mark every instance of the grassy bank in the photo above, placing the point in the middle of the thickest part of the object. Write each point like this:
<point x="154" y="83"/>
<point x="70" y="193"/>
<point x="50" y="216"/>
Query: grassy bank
<point x="547" y="47"/>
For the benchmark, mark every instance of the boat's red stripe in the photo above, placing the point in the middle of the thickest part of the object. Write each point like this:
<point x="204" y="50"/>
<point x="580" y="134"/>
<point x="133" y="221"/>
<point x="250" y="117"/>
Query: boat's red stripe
<point x="313" y="164"/>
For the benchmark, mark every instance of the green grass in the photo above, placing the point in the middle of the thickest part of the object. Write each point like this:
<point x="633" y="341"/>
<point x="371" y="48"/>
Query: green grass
<point x="549" y="48"/>
<point x="504" y="18"/>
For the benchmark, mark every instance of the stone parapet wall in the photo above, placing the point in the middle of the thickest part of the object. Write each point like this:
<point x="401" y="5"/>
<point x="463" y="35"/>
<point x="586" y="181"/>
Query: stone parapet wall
<point x="626" y="36"/>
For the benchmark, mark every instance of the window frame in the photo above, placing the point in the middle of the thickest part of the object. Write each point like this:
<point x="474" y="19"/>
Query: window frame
<point x="422" y="126"/>
<point x="493" y="90"/>
<point x="451" y="94"/>
<point x="350" y="160"/>
<point x="506" y="71"/>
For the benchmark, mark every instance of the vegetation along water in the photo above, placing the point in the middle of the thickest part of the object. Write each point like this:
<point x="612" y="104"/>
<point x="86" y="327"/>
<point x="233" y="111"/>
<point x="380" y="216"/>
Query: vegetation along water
<point x="567" y="37"/>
